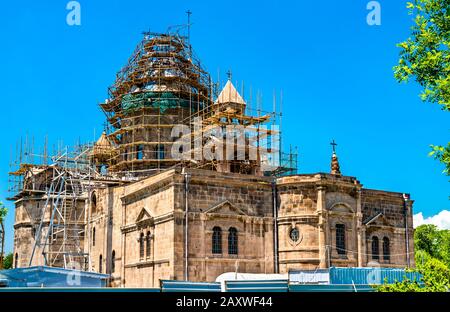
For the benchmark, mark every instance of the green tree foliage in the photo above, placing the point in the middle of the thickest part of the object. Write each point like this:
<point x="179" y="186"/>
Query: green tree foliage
<point x="432" y="255"/>
<point x="8" y="261"/>
<point x="443" y="155"/>
<point x="436" y="277"/>
<point x="425" y="56"/>
<point x="3" y="212"/>
<point x="434" y="242"/>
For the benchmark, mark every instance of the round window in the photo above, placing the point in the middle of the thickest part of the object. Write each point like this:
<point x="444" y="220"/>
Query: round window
<point x="294" y="234"/>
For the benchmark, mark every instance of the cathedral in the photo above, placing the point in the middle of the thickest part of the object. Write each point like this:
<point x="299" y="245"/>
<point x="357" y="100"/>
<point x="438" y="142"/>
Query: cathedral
<point x="140" y="206"/>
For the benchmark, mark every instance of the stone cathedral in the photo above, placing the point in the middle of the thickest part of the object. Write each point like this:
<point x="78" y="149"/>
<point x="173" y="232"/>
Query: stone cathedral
<point x="135" y="212"/>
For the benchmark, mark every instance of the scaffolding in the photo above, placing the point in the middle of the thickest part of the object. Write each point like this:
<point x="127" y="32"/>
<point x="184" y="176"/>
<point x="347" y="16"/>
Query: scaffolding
<point x="58" y="188"/>
<point x="162" y="84"/>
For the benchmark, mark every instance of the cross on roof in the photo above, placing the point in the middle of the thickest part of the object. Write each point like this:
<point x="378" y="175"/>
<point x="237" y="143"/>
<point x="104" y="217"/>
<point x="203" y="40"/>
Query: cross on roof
<point x="333" y="144"/>
<point x="188" y="12"/>
<point x="229" y="74"/>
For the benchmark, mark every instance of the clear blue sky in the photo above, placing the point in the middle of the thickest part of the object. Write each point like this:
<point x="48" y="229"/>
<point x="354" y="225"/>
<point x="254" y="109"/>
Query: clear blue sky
<point x="335" y="72"/>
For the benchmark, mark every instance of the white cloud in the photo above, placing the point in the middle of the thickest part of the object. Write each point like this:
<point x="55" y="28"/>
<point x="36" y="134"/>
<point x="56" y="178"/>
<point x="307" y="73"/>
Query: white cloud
<point x="441" y="220"/>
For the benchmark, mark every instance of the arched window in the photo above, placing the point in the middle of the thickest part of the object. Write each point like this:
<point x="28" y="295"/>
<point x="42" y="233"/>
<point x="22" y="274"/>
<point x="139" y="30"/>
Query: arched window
<point x="16" y="261"/>
<point x="375" y="248"/>
<point x="217" y="240"/>
<point x="93" y="203"/>
<point x="232" y="241"/>
<point x="93" y="236"/>
<point x="100" y="264"/>
<point x="340" y="239"/>
<point x="160" y="151"/>
<point x="148" y="241"/>
<point x="386" y="249"/>
<point x="141" y="246"/>
<point x="113" y="261"/>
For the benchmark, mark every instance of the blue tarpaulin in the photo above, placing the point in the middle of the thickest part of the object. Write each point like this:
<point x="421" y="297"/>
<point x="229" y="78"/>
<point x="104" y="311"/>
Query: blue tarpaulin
<point x="370" y="276"/>
<point x="41" y="276"/>
<point x="329" y="288"/>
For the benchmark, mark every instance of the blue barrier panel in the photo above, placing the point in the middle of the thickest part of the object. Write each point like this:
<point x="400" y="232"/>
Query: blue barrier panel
<point x="329" y="288"/>
<point x="183" y="286"/>
<point x="257" y="286"/>
<point x="371" y="276"/>
<point x="41" y="276"/>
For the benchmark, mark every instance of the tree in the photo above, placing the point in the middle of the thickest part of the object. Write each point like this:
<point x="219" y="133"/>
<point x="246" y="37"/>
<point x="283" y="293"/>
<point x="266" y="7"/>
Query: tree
<point x="432" y="255"/>
<point x="8" y="261"/>
<point x="434" y="242"/>
<point x="425" y="56"/>
<point x="3" y="212"/>
<point x="435" y="277"/>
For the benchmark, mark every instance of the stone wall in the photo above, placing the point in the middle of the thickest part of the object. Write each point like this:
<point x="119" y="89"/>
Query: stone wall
<point x="28" y="212"/>
<point x="151" y="213"/>
<point x="226" y="200"/>
<point x="393" y="212"/>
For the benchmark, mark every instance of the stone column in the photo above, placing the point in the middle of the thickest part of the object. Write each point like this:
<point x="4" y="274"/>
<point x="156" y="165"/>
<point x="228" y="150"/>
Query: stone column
<point x="360" y="230"/>
<point x="322" y="224"/>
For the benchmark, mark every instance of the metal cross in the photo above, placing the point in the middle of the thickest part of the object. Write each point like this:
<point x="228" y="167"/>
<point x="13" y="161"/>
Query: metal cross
<point x="188" y="12"/>
<point x="229" y="74"/>
<point x="333" y="144"/>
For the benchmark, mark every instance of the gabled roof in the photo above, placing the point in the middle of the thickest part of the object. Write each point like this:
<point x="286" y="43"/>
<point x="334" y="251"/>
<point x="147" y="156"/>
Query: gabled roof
<point x="229" y="94"/>
<point x="225" y="207"/>
<point x="143" y="215"/>
<point x="380" y="216"/>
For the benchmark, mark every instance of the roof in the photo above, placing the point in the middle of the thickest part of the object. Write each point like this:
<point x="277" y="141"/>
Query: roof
<point x="229" y="94"/>
<point x="102" y="146"/>
<point x="103" y="141"/>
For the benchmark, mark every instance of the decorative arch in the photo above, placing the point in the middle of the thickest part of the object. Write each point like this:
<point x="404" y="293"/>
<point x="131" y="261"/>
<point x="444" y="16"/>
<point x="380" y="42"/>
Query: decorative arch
<point x="345" y="205"/>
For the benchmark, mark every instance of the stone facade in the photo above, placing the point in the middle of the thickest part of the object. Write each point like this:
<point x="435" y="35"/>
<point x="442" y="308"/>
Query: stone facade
<point x="141" y="221"/>
<point x="318" y="204"/>
<point x="137" y="231"/>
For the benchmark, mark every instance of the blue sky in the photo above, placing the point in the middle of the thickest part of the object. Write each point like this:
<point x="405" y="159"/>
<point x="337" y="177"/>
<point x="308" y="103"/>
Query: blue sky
<point x="334" y="69"/>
